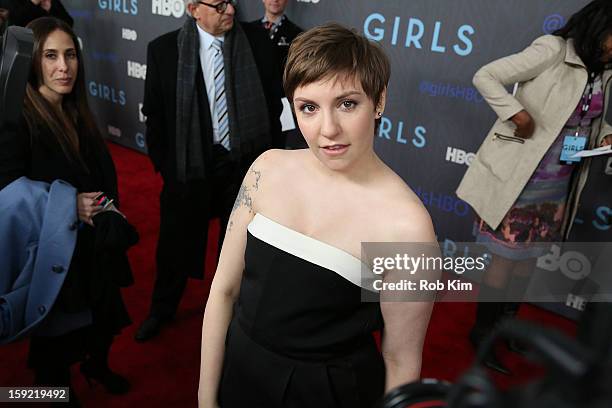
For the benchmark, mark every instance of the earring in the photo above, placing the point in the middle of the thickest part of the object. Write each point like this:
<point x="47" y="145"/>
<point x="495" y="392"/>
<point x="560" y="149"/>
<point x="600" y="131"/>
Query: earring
<point x="379" y="114"/>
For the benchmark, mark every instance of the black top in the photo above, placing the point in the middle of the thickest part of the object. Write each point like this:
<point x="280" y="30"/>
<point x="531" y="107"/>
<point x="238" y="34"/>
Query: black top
<point x="300" y="335"/>
<point x="39" y="156"/>
<point x="24" y="11"/>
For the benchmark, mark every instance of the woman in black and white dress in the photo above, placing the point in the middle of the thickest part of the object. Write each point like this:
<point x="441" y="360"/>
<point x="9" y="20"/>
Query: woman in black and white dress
<point x="284" y="324"/>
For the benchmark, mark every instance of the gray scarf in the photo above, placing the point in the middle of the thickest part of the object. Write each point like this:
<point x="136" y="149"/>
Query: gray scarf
<point x="247" y="108"/>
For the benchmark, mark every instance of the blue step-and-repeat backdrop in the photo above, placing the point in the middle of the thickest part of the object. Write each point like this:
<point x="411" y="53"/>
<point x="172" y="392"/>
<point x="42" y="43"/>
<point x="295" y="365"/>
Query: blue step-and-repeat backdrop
<point x="435" y="119"/>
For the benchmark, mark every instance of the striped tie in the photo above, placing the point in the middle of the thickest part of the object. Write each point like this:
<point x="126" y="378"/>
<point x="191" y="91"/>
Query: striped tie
<point x="220" y="101"/>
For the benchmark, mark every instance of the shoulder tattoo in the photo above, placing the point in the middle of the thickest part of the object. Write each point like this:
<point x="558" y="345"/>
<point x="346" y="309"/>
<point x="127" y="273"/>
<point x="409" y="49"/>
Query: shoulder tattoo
<point x="257" y="174"/>
<point x="244" y="198"/>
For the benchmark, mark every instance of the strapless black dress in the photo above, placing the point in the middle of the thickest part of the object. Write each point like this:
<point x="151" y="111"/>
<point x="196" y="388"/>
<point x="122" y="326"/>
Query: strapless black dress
<point x="300" y="335"/>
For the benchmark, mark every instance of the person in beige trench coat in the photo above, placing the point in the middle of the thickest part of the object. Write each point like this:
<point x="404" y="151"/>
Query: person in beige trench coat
<point x="552" y="74"/>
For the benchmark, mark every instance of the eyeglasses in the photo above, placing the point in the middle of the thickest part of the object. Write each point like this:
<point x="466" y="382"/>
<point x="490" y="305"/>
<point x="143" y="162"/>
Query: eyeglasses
<point x="221" y="7"/>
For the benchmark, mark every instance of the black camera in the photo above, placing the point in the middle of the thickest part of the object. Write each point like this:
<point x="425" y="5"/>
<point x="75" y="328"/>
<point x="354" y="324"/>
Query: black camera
<point x="579" y="371"/>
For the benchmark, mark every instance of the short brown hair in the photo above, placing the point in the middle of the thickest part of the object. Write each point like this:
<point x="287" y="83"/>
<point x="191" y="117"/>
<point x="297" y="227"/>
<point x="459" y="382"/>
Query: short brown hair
<point x="330" y="50"/>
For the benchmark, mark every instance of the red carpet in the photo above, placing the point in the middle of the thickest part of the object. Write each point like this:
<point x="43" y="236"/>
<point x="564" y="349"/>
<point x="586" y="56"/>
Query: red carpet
<point x="164" y="372"/>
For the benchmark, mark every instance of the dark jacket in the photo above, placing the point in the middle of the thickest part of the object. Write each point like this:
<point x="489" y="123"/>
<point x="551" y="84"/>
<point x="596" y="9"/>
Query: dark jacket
<point x="159" y="103"/>
<point x="24" y="11"/>
<point x="282" y="38"/>
<point x="38" y="156"/>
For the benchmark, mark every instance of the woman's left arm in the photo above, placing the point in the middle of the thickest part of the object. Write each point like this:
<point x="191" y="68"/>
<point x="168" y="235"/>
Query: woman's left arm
<point x="406" y="321"/>
<point x="403" y="337"/>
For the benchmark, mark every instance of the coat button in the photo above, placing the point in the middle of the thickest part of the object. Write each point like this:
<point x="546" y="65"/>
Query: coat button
<point x="73" y="226"/>
<point x="42" y="309"/>
<point x="57" y="268"/>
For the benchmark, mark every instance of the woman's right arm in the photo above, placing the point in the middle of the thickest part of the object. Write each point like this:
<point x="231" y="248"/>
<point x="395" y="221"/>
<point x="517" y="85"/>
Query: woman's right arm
<point x="226" y="286"/>
<point x="491" y="79"/>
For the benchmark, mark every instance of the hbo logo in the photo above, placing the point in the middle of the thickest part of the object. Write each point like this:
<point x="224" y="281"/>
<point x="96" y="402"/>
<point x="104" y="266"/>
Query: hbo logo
<point x="136" y="70"/>
<point x="129" y="34"/>
<point x="459" y="156"/>
<point x="168" y="8"/>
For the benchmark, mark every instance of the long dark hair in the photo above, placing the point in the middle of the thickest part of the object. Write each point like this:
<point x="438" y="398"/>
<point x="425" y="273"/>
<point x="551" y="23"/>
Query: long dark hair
<point x="77" y="116"/>
<point x="589" y="28"/>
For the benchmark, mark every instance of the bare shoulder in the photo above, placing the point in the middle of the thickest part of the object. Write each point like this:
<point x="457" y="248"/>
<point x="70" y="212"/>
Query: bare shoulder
<point x="267" y="158"/>
<point x="277" y="161"/>
<point x="406" y="216"/>
<point x="270" y="163"/>
<point x="416" y="224"/>
<point x="252" y="190"/>
<point x="251" y="185"/>
<point x="266" y="175"/>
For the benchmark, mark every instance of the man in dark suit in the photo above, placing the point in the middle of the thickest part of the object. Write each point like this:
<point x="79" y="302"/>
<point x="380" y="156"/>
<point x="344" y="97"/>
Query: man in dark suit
<point x="211" y="110"/>
<point x="281" y="30"/>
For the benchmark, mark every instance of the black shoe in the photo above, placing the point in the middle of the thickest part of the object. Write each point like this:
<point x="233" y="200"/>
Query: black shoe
<point x="148" y="329"/>
<point x="112" y="382"/>
<point x="510" y="311"/>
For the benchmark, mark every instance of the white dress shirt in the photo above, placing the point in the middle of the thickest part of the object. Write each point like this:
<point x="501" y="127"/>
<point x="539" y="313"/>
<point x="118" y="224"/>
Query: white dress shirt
<point x="207" y="56"/>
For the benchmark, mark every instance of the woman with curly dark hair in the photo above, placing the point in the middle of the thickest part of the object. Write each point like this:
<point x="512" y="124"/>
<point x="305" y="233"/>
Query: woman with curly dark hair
<point x="524" y="184"/>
